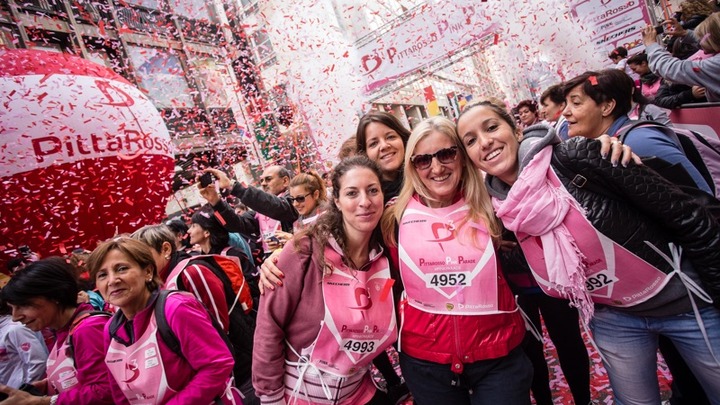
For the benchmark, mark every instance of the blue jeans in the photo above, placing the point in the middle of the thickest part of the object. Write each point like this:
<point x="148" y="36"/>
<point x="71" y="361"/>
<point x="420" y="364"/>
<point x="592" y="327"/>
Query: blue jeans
<point x="629" y="344"/>
<point x="503" y="381"/>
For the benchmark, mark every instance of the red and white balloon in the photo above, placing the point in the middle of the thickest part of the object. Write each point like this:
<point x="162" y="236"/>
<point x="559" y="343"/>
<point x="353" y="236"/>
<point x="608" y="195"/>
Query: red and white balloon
<point x="84" y="154"/>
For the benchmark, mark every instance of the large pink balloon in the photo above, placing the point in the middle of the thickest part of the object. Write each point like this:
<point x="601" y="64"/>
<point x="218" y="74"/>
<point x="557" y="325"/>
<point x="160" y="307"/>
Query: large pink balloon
<point x="83" y="154"/>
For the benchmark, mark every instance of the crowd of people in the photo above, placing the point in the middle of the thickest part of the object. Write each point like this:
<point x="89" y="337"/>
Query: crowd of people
<point x="451" y="244"/>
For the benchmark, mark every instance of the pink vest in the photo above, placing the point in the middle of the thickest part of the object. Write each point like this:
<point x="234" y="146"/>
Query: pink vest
<point x="359" y="323"/>
<point x="443" y="270"/>
<point x="615" y="276"/>
<point x="268" y="226"/>
<point x="139" y="370"/>
<point x="140" y="373"/>
<point x="61" y="371"/>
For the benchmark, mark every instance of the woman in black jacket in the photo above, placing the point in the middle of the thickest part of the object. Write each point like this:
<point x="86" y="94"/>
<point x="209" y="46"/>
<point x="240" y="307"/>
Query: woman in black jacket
<point x="636" y="255"/>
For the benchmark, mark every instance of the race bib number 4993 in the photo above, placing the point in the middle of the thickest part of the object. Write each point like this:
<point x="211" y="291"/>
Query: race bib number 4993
<point x="359" y="346"/>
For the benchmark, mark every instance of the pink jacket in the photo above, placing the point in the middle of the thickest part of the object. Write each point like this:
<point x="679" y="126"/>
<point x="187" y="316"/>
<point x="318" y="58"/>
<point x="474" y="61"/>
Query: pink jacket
<point x="200" y="374"/>
<point x="291" y="314"/>
<point x="89" y="360"/>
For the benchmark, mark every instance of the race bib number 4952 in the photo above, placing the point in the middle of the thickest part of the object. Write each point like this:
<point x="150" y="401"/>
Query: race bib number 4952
<point x="434" y="280"/>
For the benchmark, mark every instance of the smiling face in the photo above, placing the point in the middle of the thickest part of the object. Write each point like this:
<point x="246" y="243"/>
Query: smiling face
<point x="122" y="282"/>
<point x="38" y="313"/>
<point x="490" y="142"/>
<point x="440" y="179"/>
<point x="360" y="200"/>
<point x="310" y="200"/>
<point x="586" y="117"/>
<point x="385" y="147"/>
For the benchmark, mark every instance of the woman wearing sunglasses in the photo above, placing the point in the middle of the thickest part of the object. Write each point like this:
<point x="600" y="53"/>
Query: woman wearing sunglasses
<point x="461" y="330"/>
<point x="308" y="196"/>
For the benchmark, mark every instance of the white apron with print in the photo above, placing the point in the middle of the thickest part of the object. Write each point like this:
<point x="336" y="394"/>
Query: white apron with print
<point x="61" y="371"/>
<point x="615" y="276"/>
<point x="443" y="270"/>
<point x="138" y="368"/>
<point x="359" y="323"/>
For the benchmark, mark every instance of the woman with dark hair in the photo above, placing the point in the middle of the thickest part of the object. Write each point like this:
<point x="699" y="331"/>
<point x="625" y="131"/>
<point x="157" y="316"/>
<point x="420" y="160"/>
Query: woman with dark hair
<point x="528" y="112"/>
<point x="316" y="336"/>
<point x="609" y="238"/>
<point x="552" y="102"/>
<point x="599" y="103"/>
<point x="382" y="138"/>
<point x="141" y="362"/>
<point x="44" y="294"/>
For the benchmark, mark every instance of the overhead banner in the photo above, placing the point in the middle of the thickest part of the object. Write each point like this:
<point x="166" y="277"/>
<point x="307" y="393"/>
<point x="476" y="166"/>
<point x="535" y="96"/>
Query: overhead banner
<point x="614" y="23"/>
<point x="431" y="33"/>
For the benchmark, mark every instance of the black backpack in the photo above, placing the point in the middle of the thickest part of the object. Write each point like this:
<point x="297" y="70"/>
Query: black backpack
<point x="241" y="325"/>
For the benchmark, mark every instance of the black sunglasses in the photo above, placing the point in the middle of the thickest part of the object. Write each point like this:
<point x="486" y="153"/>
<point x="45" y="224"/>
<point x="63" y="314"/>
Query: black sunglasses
<point x="443" y="156"/>
<point x="300" y="198"/>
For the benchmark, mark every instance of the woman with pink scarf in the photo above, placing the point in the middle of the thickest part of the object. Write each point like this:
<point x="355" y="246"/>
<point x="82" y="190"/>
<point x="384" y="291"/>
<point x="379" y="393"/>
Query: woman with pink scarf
<point x="638" y="257"/>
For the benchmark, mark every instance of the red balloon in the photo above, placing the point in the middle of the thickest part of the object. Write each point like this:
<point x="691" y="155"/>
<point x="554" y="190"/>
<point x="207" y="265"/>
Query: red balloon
<point x="84" y="155"/>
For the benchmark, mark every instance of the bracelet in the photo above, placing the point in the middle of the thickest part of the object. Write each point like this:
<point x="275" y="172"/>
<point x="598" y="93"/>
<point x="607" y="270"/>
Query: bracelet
<point x="53" y="399"/>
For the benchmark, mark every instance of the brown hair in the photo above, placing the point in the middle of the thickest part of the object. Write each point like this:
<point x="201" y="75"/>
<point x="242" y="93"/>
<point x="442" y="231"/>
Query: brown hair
<point x="330" y="224"/>
<point x="380" y="117"/>
<point x="312" y="182"/>
<point x="135" y="250"/>
<point x="608" y="84"/>
<point x="348" y="148"/>
<point x="710" y="26"/>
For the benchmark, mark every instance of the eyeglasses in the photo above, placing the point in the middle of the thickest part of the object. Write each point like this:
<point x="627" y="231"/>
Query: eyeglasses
<point x="443" y="156"/>
<point x="266" y="179"/>
<point x="300" y="199"/>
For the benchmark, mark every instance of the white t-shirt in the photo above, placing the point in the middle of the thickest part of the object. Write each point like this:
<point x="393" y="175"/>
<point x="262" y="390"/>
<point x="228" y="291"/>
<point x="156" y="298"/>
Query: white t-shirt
<point x="22" y="355"/>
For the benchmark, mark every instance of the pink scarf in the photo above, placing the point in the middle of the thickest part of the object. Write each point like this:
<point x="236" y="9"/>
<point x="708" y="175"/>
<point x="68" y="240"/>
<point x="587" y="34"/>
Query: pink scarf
<point x="538" y="208"/>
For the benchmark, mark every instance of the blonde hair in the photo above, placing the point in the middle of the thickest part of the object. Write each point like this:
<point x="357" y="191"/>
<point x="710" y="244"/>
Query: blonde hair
<point x="710" y="26"/>
<point x="471" y="184"/>
<point x="155" y="235"/>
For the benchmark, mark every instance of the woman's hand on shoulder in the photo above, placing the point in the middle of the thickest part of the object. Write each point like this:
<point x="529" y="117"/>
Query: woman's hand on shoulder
<point x="618" y="152"/>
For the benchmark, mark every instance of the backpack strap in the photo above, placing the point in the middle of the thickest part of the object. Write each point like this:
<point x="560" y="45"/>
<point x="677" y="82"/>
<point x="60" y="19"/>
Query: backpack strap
<point x="166" y="333"/>
<point x="79" y="318"/>
<point x="623" y="132"/>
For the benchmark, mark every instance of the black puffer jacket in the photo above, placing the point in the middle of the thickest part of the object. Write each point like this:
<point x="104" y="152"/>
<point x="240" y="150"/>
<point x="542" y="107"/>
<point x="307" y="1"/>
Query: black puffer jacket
<point x="640" y="206"/>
